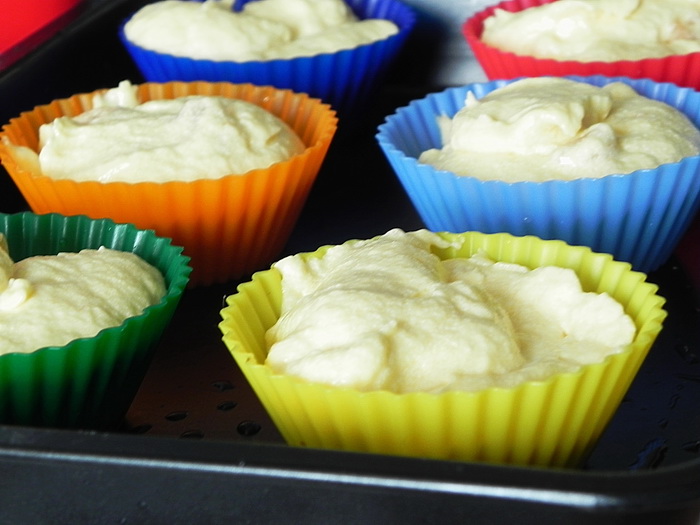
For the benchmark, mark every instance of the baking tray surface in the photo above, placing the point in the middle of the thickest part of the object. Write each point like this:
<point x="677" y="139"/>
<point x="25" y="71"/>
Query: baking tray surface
<point x="196" y="445"/>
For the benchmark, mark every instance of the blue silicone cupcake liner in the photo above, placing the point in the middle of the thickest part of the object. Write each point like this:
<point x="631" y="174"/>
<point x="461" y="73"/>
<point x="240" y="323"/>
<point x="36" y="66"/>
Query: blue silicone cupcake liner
<point x="638" y="217"/>
<point x="344" y="79"/>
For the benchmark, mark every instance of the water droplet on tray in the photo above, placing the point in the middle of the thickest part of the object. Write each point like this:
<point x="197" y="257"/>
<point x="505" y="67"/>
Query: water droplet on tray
<point x="673" y="401"/>
<point x="176" y="416"/>
<point x="248" y="428"/>
<point x="192" y="434"/>
<point x="687" y="353"/>
<point x="227" y="405"/>
<point x="691" y="446"/>
<point x="651" y="455"/>
<point x="222" y="386"/>
<point x="140" y="429"/>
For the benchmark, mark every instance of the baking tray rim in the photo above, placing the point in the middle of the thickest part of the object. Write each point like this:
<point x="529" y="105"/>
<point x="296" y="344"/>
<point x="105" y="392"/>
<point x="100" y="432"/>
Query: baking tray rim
<point x="665" y="487"/>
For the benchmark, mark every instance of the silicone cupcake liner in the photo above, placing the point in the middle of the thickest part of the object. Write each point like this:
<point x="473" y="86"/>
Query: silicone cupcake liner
<point x="548" y="423"/>
<point x="90" y="382"/>
<point x="682" y="70"/>
<point x="229" y="226"/>
<point x="638" y="217"/>
<point x="344" y="79"/>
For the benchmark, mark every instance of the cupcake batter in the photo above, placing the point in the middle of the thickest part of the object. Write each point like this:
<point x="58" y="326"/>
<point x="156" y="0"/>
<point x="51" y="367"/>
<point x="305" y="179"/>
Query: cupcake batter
<point x="52" y="300"/>
<point x="539" y="129"/>
<point x="262" y="30"/>
<point x="388" y="314"/>
<point x="181" y="139"/>
<point x="598" y="30"/>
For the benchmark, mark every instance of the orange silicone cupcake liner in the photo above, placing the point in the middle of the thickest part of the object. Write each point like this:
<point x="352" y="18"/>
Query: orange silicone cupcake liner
<point x="229" y="226"/>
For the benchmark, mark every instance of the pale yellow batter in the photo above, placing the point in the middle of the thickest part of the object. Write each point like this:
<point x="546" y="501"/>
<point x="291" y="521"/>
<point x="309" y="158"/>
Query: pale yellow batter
<point x="52" y="300"/>
<point x="263" y="30"/>
<point x="598" y="30"/>
<point x="388" y="314"/>
<point x="547" y="128"/>
<point x="181" y="139"/>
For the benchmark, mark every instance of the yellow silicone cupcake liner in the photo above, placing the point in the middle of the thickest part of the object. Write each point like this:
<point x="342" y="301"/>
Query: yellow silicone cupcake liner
<point x="546" y="423"/>
<point x="229" y="226"/>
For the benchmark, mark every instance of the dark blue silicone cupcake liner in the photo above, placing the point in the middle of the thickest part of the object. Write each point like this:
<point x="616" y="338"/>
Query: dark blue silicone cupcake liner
<point x="344" y="79"/>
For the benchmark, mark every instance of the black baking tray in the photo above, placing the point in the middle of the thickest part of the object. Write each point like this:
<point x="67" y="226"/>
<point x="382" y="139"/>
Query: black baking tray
<point x="197" y="447"/>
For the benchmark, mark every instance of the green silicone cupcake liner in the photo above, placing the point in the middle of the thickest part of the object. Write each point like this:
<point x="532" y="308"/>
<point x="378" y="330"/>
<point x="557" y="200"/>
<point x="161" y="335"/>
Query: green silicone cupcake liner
<point x="90" y="382"/>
